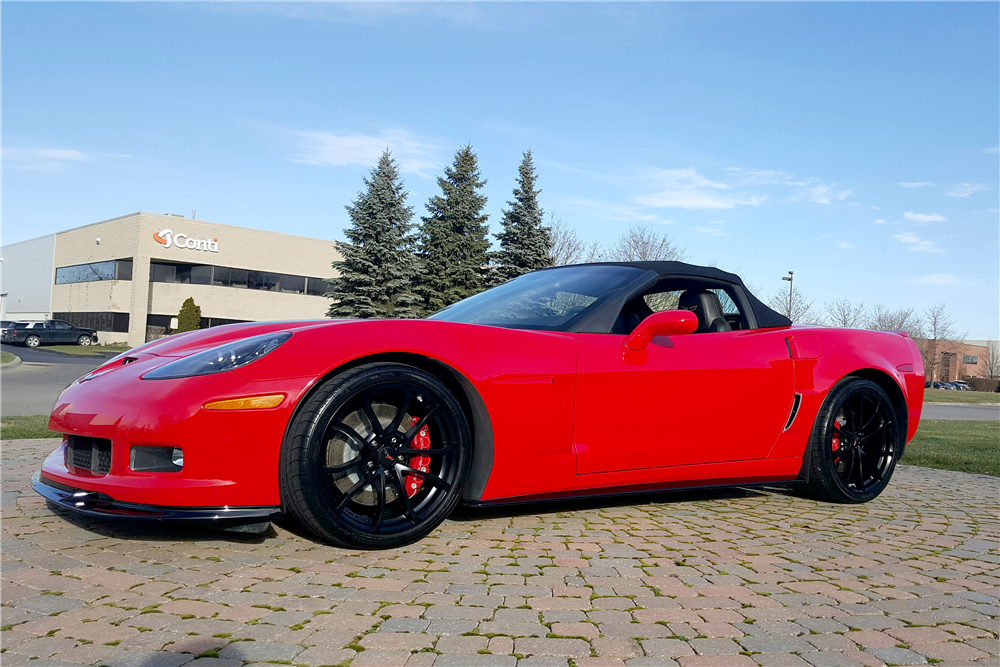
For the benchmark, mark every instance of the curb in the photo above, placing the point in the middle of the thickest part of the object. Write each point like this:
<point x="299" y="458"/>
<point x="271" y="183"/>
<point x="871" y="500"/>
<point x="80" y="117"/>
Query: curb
<point x="962" y="404"/>
<point x="11" y="364"/>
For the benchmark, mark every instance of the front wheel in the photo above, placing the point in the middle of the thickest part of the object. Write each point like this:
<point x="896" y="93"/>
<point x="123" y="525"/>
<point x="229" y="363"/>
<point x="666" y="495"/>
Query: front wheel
<point x="84" y="340"/>
<point x="376" y="458"/>
<point x="856" y="442"/>
<point x="32" y="341"/>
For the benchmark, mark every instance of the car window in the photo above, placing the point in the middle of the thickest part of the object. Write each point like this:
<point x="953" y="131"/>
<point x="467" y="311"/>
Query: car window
<point x="549" y="300"/>
<point x="56" y="324"/>
<point x="669" y="294"/>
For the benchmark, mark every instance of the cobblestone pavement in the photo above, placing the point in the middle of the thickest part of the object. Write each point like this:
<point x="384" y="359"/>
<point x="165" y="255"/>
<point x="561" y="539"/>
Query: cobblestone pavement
<point x="721" y="578"/>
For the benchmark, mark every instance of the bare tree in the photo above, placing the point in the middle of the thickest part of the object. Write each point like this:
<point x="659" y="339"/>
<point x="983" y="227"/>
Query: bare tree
<point x="796" y="307"/>
<point x="643" y="243"/>
<point x="567" y="247"/>
<point x="938" y="327"/>
<point x="883" y="318"/>
<point x="992" y="359"/>
<point x="595" y="253"/>
<point x="845" y="314"/>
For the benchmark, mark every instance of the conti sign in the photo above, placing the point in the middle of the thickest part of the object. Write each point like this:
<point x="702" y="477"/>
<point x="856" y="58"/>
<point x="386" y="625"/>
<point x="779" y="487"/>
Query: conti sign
<point x="167" y="238"/>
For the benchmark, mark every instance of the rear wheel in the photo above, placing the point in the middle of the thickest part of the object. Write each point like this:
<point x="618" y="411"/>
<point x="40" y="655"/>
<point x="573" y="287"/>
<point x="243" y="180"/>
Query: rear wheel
<point x="84" y="340"/>
<point x="32" y="341"/>
<point x="376" y="458"/>
<point x="856" y="442"/>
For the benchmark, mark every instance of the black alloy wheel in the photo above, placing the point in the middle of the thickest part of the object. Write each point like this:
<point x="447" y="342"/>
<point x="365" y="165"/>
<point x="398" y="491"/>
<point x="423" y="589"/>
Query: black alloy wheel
<point x="377" y="457"/>
<point x="856" y="443"/>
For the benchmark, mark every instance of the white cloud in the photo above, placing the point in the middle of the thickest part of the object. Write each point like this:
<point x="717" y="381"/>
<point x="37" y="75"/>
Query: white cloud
<point x="916" y="243"/>
<point x="328" y="149"/>
<point x="686" y="188"/>
<point x="992" y="151"/>
<point x="965" y="189"/>
<point x="935" y="279"/>
<point x="741" y="176"/>
<point x="42" y="159"/>
<point x="824" y="194"/>
<point x="924" y="217"/>
<point x="846" y="244"/>
<point x="916" y="184"/>
<point x="712" y="230"/>
<point x="616" y="212"/>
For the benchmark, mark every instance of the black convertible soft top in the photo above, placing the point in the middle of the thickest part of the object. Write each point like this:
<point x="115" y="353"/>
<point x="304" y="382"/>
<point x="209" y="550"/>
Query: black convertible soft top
<point x="766" y="317"/>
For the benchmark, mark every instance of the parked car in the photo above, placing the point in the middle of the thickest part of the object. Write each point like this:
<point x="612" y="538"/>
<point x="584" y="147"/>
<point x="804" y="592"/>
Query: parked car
<point x="573" y="381"/>
<point x="4" y="325"/>
<point x="942" y="385"/>
<point x="961" y="385"/>
<point x="49" y="332"/>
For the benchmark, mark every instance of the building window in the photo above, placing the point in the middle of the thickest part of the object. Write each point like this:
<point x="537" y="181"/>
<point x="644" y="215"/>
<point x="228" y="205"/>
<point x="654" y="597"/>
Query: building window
<point x="115" y="269"/>
<point x="969" y="359"/>
<point x="222" y="276"/>
<point x="316" y="286"/>
<point x="114" y="322"/>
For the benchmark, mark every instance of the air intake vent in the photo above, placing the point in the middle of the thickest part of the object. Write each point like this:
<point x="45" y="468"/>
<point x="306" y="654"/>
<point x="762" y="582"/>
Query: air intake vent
<point x="795" y="411"/>
<point x="91" y="455"/>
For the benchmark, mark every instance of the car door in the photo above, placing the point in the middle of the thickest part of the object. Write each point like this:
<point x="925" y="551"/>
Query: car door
<point x="689" y="399"/>
<point x="60" y="332"/>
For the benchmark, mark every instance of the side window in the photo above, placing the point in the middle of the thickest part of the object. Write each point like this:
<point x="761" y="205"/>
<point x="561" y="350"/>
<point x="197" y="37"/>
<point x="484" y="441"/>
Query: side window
<point x="62" y="326"/>
<point x="713" y="302"/>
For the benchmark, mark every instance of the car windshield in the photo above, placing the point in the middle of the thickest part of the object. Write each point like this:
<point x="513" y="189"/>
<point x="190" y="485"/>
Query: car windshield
<point x="550" y="300"/>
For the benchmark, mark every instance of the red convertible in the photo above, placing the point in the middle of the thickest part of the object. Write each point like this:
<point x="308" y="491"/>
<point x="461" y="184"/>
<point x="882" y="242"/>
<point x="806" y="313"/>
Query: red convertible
<point x="613" y="378"/>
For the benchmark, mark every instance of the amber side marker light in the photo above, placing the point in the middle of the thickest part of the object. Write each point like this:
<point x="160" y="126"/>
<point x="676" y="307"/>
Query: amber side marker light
<point x="247" y="403"/>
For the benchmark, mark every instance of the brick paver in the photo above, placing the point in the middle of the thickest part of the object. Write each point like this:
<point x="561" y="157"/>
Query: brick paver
<point x="754" y="577"/>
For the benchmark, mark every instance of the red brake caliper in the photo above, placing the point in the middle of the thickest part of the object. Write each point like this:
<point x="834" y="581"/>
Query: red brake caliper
<point x="420" y="441"/>
<point x="836" y="441"/>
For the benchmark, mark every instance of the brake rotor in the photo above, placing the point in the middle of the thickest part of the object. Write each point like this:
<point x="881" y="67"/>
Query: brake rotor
<point x="340" y="450"/>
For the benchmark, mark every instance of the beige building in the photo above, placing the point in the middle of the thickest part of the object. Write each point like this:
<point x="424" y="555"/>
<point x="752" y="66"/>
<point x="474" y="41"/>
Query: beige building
<point x="127" y="277"/>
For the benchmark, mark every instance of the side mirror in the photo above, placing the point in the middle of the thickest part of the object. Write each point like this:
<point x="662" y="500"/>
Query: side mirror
<point x="663" y="323"/>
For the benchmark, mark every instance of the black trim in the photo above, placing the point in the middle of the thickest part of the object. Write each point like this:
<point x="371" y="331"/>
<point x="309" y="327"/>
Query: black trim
<point x="97" y="504"/>
<point x="639" y="490"/>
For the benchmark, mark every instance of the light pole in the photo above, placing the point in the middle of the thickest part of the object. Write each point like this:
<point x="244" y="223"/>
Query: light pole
<point x="789" y="278"/>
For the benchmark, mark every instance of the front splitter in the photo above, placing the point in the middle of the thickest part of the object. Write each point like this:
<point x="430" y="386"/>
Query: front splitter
<point x="92" y="503"/>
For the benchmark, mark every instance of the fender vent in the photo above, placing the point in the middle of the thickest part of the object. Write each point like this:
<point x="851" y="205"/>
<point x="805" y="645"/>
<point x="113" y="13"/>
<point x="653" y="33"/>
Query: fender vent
<point x="795" y="411"/>
<point x="91" y="455"/>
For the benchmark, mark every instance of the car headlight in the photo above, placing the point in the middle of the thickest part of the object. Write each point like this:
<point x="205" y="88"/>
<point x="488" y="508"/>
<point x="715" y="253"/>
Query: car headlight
<point x="220" y="359"/>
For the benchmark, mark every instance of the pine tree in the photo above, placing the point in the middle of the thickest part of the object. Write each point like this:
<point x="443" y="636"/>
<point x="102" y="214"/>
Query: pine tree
<point x="378" y="266"/>
<point x="525" y="243"/>
<point x="189" y="317"/>
<point x="453" y="245"/>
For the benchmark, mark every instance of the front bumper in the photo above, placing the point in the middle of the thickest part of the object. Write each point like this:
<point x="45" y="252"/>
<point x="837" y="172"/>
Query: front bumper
<point x="93" y="503"/>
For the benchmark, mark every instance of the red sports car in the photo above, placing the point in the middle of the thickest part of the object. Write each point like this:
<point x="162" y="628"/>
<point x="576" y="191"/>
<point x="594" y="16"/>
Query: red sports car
<point x="571" y="381"/>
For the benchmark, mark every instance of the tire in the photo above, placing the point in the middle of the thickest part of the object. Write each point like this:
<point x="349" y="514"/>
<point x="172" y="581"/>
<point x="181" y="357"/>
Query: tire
<point x="32" y="341"/>
<point x="856" y="442"/>
<point x="372" y="424"/>
<point x="84" y="340"/>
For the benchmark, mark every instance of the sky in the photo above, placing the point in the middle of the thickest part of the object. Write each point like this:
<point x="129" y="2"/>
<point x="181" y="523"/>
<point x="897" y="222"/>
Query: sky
<point x="853" y="143"/>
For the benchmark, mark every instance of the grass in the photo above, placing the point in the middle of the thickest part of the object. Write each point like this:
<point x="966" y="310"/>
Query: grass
<point x="16" y="427"/>
<point x="85" y="350"/>
<point x="950" y="396"/>
<point x="965" y="446"/>
<point x="6" y="357"/>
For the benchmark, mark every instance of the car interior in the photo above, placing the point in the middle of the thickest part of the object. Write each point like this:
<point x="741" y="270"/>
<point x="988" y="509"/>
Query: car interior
<point x="715" y="305"/>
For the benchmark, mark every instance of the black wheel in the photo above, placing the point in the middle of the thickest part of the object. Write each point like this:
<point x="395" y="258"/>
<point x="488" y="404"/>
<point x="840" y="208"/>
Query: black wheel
<point x="32" y="341"/>
<point x="84" y="340"/>
<point x="376" y="458"/>
<point x="856" y="442"/>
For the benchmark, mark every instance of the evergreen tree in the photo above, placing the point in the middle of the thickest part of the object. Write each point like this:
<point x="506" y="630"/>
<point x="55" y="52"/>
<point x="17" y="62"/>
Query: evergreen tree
<point x="189" y="317"/>
<point x="378" y="266"/>
<point x="525" y="243"/>
<point x="453" y="245"/>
